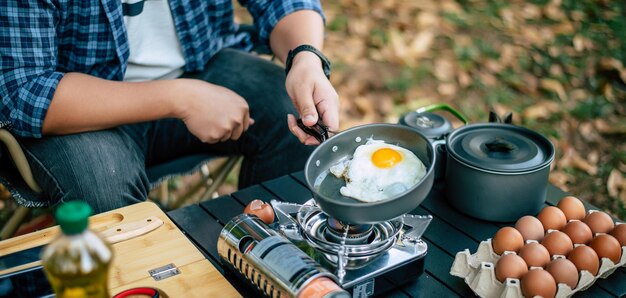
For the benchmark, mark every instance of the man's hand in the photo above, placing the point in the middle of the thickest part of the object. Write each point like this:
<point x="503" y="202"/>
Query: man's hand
<point x="313" y="96"/>
<point x="212" y="113"/>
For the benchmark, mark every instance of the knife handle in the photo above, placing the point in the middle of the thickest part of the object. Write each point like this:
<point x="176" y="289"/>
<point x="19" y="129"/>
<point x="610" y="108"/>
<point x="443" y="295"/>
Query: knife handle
<point x="131" y="230"/>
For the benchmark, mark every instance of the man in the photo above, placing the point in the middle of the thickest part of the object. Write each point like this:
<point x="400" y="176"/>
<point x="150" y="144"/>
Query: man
<point x="97" y="91"/>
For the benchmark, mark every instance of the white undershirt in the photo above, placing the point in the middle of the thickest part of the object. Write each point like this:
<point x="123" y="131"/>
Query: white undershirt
<point x="155" y="51"/>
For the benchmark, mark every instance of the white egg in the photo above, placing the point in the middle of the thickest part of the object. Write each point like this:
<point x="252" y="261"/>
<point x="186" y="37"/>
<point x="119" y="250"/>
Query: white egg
<point x="378" y="171"/>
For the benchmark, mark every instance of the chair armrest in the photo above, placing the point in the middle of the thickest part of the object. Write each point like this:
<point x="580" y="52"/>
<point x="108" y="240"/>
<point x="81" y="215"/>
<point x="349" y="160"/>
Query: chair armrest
<point x="19" y="159"/>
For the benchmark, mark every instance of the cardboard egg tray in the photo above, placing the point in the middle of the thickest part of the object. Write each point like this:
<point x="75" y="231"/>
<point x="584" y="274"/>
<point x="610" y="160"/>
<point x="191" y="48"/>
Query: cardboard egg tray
<point x="478" y="271"/>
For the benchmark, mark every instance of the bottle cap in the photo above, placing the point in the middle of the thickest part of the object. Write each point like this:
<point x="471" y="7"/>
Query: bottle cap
<point x="73" y="217"/>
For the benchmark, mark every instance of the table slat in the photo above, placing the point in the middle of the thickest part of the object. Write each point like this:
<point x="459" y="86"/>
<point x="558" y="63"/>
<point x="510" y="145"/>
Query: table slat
<point x="200" y="227"/>
<point x="225" y="208"/>
<point x="288" y="189"/>
<point x="476" y="229"/>
<point x="255" y="192"/>
<point x="438" y="263"/>
<point x="615" y="283"/>
<point x="428" y="286"/>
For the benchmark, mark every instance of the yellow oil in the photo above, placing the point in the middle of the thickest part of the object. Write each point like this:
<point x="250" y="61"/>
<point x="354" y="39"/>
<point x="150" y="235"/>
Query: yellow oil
<point x="78" y="266"/>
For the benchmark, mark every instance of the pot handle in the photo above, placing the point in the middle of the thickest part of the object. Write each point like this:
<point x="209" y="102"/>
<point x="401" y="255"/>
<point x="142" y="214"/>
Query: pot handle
<point x="444" y="107"/>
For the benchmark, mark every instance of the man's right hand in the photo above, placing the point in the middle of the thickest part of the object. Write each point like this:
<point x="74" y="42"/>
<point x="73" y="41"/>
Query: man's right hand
<point x="212" y="113"/>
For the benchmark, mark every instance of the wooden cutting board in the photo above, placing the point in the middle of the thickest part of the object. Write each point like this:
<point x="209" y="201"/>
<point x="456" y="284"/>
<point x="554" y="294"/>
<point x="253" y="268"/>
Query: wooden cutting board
<point x="135" y="257"/>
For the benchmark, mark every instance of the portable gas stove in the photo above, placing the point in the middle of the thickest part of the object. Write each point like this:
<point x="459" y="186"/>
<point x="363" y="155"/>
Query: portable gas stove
<point x="305" y="243"/>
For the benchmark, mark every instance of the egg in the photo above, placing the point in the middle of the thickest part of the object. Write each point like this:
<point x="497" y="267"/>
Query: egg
<point x="619" y="232"/>
<point x="578" y="232"/>
<point x="563" y="271"/>
<point x="530" y="227"/>
<point x="557" y="243"/>
<point x="507" y="239"/>
<point x="599" y="222"/>
<point x="510" y="266"/>
<point x="379" y="171"/>
<point x="585" y="258"/>
<point x="535" y="254"/>
<point x="552" y="218"/>
<point x="538" y="282"/>
<point x="572" y="207"/>
<point x="606" y="246"/>
<point x="262" y="210"/>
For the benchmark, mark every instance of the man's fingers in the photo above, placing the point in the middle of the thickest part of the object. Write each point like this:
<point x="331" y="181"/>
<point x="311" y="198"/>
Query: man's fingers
<point x="306" y="106"/>
<point x="328" y="106"/>
<point x="237" y="132"/>
<point x="302" y="136"/>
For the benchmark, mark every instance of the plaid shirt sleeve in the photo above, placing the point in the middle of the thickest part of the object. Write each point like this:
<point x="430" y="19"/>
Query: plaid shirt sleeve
<point x="266" y="14"/>
<point x="28" y="78"/>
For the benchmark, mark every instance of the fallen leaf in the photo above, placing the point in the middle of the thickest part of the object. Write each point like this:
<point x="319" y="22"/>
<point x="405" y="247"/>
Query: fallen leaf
<point x="615" y="183"/>
<point x="428" y="20"/>
<point x="444" y="69"/>
<point x="560" y="179"/>
<point x="447" y="89"/>
<point x="422" y="43"/>
<point x="553" y="86"/>
<point x="487" y="79"/>
<point x="584" y="165"/>
<point x="541" y="110"/>
<point x="464" y="79"/>
<point x="530" y="11"/>
<point x="589" y="133"/>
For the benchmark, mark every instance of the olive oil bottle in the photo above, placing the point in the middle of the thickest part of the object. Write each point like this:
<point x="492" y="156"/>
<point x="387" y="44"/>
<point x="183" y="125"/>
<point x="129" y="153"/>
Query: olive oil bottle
<point x="77" y="262"/>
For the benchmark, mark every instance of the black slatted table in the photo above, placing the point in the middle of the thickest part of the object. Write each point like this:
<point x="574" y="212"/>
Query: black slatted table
<point x="448" y="233"/>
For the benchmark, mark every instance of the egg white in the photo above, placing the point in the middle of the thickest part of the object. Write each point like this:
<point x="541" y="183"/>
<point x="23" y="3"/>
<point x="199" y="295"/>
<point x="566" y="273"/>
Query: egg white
<point x="367" y="182"/>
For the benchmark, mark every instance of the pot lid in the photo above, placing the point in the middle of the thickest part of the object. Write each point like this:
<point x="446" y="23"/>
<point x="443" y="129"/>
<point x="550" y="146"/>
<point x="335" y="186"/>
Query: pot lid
<point x="500" y="147"/>
<point x="431" y="125"/>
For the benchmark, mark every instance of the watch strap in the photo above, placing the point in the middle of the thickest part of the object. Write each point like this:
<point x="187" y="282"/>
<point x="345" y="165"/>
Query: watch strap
<point x="305" y="47"/>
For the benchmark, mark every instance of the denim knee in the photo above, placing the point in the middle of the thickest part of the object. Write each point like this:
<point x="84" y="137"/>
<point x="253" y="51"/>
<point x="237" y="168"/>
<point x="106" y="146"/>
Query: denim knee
<point x="104" y="168"/>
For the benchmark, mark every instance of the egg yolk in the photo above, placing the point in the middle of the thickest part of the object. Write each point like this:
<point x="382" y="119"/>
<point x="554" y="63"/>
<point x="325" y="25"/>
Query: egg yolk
<point x="386" y="158"/>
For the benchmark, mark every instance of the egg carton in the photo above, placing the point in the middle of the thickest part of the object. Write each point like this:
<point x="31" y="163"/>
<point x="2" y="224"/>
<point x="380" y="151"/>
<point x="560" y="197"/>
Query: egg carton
<point x="478" y="271"/>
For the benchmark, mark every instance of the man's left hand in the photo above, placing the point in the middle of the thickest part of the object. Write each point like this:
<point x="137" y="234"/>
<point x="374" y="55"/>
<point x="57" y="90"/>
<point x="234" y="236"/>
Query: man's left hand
<point x="313" y="96"/>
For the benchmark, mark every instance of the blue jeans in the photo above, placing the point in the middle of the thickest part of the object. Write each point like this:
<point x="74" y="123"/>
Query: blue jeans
<point x="107" y="168"/>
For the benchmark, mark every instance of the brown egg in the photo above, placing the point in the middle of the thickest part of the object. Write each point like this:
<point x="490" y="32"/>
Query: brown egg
<point x="507" y="239"/>
<point x="530" y="228"/>
<point x="585" y="258"/>
<point x="599" y="222"/>
<point x="606" y="246"/>
<point x="538" y="282"/>
<point x="510" y="266"/>
<point x="578" y="232"/>
<point x="552" y="218"/>
<point x="619" y="232"/>
<point x="535" y="255"/>
<point x="557" y="243"/>
<point x="261" y="209"/>
<point x="572" y="207"/>
<point x="563" y="271"/>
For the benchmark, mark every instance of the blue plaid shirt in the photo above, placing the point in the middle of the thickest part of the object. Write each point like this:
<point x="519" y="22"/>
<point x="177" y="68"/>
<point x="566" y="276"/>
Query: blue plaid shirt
<point x="41" y="40"/>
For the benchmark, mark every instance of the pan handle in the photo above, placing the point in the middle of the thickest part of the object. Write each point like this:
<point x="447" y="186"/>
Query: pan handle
<point x="319" y="130"/>
<point x="444" y="107"/>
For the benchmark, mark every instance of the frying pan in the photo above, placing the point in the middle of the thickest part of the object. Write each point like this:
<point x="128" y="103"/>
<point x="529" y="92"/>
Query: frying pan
<point x="325" y="186"/>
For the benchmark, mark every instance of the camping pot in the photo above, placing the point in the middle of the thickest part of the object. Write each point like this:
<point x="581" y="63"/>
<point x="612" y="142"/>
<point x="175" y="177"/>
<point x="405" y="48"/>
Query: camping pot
<point x="435" y="127"/>
<point x="497" y="171"/>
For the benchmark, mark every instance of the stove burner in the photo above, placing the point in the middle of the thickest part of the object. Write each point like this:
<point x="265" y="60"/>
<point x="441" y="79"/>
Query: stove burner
<point x="363" y="243"/>
<point x="357" y="234"/>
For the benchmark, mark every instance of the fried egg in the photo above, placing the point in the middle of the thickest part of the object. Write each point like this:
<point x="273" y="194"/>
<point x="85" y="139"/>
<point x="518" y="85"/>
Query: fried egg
<point x="378" y="171"/>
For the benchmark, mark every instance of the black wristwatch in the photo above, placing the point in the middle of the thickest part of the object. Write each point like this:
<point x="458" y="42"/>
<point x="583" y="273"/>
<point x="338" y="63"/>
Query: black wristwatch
<point x="312" y="49"/>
